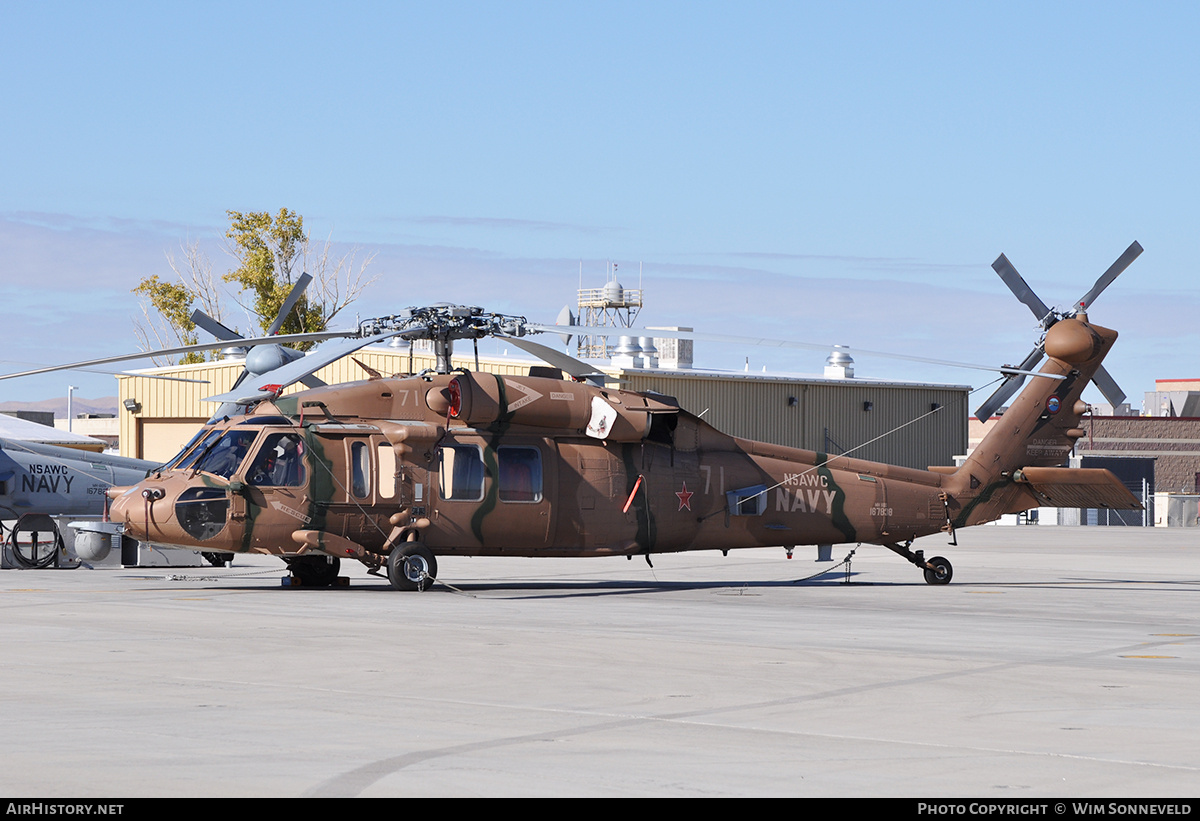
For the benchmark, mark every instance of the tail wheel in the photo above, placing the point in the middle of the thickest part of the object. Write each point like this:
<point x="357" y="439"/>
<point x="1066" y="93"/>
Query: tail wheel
<point x="939" y="571"/>
<point x="411" y="566"/>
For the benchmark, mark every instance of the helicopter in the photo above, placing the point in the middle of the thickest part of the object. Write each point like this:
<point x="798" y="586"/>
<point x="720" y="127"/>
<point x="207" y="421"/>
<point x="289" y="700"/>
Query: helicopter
<point x="395" y="472"/>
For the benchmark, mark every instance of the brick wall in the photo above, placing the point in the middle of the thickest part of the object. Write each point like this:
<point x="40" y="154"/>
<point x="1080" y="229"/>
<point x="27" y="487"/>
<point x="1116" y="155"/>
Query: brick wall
<point x="1174" y="444"/>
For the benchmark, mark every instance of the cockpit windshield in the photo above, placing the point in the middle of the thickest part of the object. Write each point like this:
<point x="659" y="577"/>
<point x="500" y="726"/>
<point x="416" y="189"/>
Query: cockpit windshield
<point x="222" y="457"/>
<point x="191" y="449"/>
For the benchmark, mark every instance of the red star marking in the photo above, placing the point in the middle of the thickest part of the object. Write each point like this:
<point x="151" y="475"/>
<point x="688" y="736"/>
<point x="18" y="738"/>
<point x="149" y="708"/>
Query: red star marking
<point x="685" y="497"/>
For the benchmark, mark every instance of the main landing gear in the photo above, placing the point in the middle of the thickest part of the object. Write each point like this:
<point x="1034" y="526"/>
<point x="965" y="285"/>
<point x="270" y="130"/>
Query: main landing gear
<point x="411" y="566"/>
<point x="938" y="570"/>
<point x="314" y="571"/>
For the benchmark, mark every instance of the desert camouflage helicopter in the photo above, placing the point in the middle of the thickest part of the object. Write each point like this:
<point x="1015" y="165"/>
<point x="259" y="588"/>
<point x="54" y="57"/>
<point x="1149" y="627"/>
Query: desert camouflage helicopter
<point x="394" y="472"/>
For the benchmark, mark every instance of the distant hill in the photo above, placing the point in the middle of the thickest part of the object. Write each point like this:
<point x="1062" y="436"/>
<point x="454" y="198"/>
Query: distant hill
<point x="105" y="404"/>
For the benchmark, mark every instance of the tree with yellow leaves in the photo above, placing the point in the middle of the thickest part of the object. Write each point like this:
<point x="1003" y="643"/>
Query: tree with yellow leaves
<point x="271" y="252"/>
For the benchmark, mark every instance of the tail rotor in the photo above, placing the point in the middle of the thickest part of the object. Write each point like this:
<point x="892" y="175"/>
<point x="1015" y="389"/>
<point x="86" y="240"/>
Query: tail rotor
<point x="1047" y="317"/>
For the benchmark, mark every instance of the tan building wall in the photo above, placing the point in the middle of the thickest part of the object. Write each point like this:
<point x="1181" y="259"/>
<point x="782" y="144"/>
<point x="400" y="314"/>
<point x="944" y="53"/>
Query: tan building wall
<point x="1177" y="384"/>
<point x="824" y="415"/>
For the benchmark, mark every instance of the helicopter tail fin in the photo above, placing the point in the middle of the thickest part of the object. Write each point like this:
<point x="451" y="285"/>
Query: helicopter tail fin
<point x="1017" y="465"/>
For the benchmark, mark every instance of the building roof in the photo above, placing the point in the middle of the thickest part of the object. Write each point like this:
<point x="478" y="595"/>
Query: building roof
<point x="20" y="429"/>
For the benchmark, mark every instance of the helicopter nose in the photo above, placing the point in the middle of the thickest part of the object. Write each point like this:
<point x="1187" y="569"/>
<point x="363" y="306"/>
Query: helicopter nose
<point x="120" y="500"/>
<point x="135" y="506"/>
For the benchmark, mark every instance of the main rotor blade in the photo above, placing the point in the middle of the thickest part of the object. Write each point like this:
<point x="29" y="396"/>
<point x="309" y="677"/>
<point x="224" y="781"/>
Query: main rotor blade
<point x="1021" y="290"/>
<point x="784" y="343"/>
<point x="1109" y="387"/>
<point x="1114" y="271"/>
<point x="271" y="383"/>
<point x="207" y="346"/>
<point x="567" y="364"/>
<point x="203" y="320"/>
<point x="130" y="373"/>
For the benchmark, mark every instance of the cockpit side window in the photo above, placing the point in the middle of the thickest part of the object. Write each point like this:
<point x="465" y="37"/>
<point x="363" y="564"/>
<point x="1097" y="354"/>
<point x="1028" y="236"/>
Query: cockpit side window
<point x="279" y="462"/>
<point x="223" y="457"/>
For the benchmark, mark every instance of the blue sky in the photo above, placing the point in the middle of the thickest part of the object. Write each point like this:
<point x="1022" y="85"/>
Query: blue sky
<point x="840" y="173"/>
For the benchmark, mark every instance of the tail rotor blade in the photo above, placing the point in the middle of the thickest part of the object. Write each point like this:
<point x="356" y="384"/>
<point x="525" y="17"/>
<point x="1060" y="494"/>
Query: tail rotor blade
<point x="292" y="298"/>
<point x="1009" y="386"/>
<point x="1021" y="290"/>
<point x="1108" y="386"/>
<point x="1124" y="261"/>
<point x="994" y="402"/>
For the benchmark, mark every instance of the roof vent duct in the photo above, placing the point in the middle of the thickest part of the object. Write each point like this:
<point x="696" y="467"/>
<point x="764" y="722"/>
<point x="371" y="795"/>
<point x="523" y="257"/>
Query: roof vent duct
<point x="628" y="353"/>
<point x="839" y="365"/>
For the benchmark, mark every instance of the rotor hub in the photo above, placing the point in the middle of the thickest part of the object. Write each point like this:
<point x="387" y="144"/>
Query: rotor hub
<point x="1072" y="341"/>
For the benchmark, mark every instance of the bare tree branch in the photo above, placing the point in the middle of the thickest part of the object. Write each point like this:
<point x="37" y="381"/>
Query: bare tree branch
<point x="195" y="271"/>
<point x="336" y="282"/>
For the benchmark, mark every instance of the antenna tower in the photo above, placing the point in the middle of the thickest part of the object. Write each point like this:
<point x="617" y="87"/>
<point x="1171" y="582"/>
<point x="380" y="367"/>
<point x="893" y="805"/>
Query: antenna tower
<point x="612" y="306"/>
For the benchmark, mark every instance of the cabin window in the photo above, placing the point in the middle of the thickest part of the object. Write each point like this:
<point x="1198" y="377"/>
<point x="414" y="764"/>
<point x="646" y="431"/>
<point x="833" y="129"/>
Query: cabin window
<point x="460" y="472"/>
<point x="360" y="470"/>
<point x="520" y="474"/>
<point x="222" y="457"/>
<point x="386" y="459"/>
<point x="748" y="501"/>
<point x="279" y="463"/>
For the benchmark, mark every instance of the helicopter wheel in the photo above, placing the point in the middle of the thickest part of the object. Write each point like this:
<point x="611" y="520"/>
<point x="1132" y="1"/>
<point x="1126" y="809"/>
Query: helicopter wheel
<point x="411" y="566"/>
<point x="941" y="573"/>
<point x="314" y="571"/>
